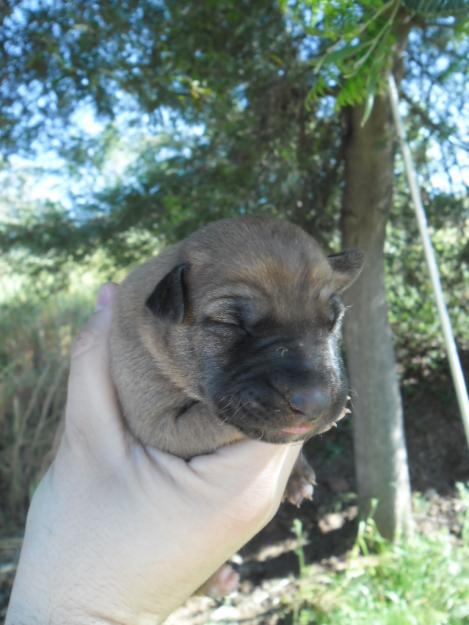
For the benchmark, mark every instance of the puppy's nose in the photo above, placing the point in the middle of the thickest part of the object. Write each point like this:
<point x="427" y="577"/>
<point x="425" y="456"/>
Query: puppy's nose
<point x="310" y="402"/>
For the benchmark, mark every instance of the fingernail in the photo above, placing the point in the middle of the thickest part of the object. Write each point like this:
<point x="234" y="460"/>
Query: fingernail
<point x="104" y="297"/>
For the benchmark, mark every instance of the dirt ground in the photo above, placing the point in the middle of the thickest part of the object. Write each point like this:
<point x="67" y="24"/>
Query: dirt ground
<point x="268" y="566"/>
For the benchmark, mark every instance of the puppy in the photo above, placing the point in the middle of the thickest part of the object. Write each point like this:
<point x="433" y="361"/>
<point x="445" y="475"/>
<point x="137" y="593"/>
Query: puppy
<point x="232" y="333"/>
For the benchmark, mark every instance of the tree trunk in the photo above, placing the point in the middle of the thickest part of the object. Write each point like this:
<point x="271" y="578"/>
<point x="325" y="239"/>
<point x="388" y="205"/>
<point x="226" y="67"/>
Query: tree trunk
<point x="380" y="452"/>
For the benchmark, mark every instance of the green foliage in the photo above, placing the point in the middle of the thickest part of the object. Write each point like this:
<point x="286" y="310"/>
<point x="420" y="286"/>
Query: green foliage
<point x="297" y="529"/>
<point x="419" y="580"/>
<point x="217" y="91"/>
<point x="412" y="308"/>
<point x="357" y="48"/>
<point x="137" y="57"/>
<point x="436" y="7"/>
<point x="358" y="43"/>
<point x="227" y="108"/>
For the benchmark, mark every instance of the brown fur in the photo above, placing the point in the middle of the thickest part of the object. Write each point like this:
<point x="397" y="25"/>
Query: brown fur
<point x="157" y="365"/>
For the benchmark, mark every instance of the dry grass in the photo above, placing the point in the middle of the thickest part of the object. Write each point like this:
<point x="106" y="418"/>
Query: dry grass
<point x="34" y="348"/>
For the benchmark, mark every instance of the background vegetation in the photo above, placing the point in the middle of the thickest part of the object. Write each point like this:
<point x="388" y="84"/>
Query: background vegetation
<point x="125" y="126"/>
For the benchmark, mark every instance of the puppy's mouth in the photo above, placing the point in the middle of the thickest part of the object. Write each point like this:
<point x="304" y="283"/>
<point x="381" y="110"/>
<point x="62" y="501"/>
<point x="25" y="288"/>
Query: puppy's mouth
<point x="298" y="430"/>
<point x="292" y="433"/>
<point x="287" y="434"/>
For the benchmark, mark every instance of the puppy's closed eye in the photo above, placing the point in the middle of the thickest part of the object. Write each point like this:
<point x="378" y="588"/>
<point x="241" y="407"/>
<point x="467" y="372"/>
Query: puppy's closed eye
<point x="224" y="322"/>
<point x="235" y="314"/>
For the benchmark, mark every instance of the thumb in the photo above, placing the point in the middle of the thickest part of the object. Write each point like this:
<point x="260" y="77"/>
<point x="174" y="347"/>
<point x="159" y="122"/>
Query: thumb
<point x="92" y="415"/>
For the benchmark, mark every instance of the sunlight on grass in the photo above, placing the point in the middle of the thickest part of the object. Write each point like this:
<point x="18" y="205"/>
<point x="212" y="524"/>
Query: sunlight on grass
<point x="423" y="580"/>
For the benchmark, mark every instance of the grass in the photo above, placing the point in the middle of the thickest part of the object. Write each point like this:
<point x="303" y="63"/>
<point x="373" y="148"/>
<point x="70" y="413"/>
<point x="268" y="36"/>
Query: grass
<point x="39" y="319"/>
<point x="36" y="338"/>
<point x="38" y="322"/>
<point x="423" y="580"/>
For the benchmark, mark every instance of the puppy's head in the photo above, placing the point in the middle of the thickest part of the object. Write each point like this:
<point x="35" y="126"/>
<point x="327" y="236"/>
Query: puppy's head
<point x="251" y="315"/>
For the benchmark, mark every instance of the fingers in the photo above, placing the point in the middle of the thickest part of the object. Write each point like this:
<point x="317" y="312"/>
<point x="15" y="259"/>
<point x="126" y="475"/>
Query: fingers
<point x="92" y="416"/>
<point x="252" y="476"/>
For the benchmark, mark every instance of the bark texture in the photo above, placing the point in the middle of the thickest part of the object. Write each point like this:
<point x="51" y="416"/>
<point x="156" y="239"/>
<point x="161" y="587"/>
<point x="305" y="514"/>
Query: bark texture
<point x="380" y="451"/>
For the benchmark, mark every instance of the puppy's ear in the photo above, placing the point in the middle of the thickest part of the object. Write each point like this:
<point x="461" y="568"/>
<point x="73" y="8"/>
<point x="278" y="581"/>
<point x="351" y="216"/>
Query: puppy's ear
<point x="347" y="267"/>
<point x="169" y="298"/>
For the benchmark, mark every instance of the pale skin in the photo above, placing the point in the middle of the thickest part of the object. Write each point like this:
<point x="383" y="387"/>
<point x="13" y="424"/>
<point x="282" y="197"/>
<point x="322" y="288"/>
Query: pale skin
<point x="122" y="534"/>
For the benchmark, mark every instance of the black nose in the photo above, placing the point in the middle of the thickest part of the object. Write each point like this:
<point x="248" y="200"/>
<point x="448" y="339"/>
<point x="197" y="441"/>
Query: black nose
<point x="310" y="402"/>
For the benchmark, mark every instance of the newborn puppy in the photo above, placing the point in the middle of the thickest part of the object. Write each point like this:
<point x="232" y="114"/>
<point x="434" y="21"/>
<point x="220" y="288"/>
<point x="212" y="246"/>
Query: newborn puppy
<point x="232" y="333"/>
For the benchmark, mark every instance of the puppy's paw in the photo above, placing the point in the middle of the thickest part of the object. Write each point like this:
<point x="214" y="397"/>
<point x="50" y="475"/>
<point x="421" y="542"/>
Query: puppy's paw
<point x="300" y="485"/>
<point x="221" y="583"/>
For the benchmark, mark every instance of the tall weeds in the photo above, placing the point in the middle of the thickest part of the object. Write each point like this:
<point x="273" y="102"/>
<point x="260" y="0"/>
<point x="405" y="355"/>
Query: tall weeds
<point x="34" y="351"/>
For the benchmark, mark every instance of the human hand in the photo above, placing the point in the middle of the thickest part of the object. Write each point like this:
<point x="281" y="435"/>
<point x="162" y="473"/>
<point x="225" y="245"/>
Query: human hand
<point x="124" y="534"/>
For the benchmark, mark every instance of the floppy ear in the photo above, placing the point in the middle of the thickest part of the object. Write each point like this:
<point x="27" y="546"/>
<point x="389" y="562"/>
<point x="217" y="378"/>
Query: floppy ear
<point x="169" y="298"/>
<point x="347" y="267"/>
